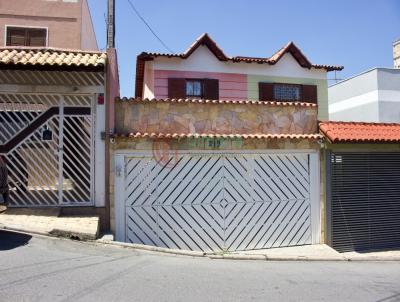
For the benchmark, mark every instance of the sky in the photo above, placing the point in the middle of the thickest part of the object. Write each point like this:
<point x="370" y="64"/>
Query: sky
<point x="357" y="34"/>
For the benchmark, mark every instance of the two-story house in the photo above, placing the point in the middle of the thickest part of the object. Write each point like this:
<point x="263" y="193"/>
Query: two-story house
<point x="41" y="23"/>
<point x="220" y="153"/>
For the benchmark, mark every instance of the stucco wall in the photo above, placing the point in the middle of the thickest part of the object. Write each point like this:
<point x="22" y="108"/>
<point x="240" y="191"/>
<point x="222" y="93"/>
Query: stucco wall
<point x="88" y="36"/>
<point x="368" y="112"/>
<point x="169" y="117"/>
<point x="204" y="61"/>
<point x="236" y="80"/>
<point x="322" y="89"/>
<point x="231" y="85"/>
<point x="62" y="18"/>
<point x="373" y="96"/>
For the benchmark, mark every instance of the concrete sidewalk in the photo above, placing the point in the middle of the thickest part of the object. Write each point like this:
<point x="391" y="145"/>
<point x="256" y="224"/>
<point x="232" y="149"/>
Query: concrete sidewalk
<point x="317" y="252"/>
<point x="48" y="221"/>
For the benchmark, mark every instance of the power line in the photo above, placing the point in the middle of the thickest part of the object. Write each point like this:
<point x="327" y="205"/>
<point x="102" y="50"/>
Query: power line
<point x="149" y="27"/>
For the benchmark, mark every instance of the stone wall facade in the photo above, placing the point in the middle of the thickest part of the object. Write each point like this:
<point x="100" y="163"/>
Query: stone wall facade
<point x="225" y="118"/>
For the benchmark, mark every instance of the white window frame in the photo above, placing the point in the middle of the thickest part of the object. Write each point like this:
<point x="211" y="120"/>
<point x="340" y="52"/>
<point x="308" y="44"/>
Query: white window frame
<point x="27" y="26"/>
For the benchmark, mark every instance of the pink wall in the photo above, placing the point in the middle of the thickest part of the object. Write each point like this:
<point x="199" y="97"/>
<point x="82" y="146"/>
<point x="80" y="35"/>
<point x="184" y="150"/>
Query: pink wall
<point x="231" y="86"/>
<point x="68" y="22"/>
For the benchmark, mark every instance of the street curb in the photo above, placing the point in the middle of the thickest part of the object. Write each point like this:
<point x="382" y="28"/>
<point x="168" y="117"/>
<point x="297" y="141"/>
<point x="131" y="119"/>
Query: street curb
<point x="22" y="230"/>
<point x="153" y="248"/>
<point x="241" y="256"/>
<point x="72" y="235"/>
<point x="197" y="254"/>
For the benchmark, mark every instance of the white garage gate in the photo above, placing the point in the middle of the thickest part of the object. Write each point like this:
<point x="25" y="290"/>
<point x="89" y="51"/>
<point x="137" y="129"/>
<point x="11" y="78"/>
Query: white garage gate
<point x="218" y="201"/>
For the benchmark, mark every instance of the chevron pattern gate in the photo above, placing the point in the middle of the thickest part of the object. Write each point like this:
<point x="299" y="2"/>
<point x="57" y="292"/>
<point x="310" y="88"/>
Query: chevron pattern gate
<point x="213" y="202"/>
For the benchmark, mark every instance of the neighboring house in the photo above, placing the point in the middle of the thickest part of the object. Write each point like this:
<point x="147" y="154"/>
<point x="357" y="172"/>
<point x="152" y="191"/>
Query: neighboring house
<point x="396" y="54"/>
<point x="363" y="185"/>
<point x="53" y="116"/>
<point x="56" y="107"/>
<point x="362" y="160"/>
<point x="220" y="153"/>
<point x="44" y="23"/>
<point x="372" y="96"/>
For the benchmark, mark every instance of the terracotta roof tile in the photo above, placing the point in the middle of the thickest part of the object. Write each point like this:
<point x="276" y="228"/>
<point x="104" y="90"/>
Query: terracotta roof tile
<point x="338" y="132"/>
<point x="210" y="135"/>
<point x="202" y="101"/>
<point x="51" y="57"/>
<point x="206" y="40"/>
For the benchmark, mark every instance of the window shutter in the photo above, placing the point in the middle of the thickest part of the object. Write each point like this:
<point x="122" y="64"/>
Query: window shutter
<point x="211" y="89"/>
<point x="266" y="91"/>
<point x="176" y="88"/>
<point x="15" y="37"/>
<point x="37" y="37"/>
<point x="310" y="94"/>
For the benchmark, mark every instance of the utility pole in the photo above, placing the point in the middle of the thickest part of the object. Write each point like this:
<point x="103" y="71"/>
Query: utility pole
<point x="111" y="24"/>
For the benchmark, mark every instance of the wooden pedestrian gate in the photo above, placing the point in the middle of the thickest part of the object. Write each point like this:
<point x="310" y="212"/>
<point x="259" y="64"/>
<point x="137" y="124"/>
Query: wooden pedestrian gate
<point x="48" y="145"/>
<point x="215" y="201"/>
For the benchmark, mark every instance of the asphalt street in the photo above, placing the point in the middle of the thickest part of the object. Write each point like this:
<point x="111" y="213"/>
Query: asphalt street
<point x="47" y="269"/>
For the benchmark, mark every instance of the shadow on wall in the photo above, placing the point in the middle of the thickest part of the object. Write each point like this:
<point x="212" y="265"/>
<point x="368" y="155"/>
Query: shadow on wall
<point x="11" y="240"/>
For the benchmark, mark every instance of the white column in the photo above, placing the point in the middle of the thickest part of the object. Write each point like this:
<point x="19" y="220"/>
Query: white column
<point x="315" y="201"/>
<point x="119" y="197"/>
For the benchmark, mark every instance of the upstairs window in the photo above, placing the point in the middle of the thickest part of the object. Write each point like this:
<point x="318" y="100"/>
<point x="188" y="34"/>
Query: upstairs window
<point x="288" y="92"/>
<point x="24" y="36"/>
<point x="193" y="88"/>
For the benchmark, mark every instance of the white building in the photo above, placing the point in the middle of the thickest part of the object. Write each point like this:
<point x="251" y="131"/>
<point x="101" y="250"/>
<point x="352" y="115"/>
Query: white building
<point x="372" y="96"/>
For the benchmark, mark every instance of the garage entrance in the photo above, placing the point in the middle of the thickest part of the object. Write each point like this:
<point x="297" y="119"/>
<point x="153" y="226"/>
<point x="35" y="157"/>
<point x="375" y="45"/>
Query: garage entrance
<point x="218" y="201"/>
<point x="364" y="200"/>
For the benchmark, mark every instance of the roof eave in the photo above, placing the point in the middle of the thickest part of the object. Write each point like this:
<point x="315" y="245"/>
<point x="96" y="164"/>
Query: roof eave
<point x="48" y="67"/>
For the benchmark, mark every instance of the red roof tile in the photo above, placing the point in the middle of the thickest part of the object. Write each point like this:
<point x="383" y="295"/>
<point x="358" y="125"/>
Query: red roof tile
<point x="201" y="101"/>
<point x="209" y="135"/>
<point x="206" y="40"/>
<point x="338" y="132"/>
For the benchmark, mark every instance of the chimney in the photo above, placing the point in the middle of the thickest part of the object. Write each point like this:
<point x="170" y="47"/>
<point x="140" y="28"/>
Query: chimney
<point x="396" y="54"/>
